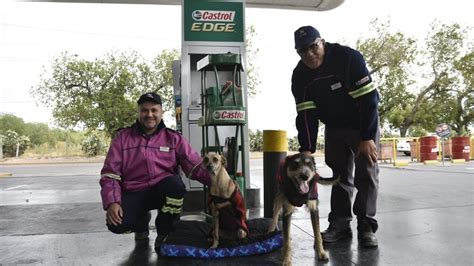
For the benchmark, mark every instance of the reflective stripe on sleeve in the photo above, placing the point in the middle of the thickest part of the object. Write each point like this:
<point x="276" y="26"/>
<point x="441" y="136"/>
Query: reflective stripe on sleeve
<point x="112" y="176"/>
<point x="362" y="91"/>
<point x="305" y="106"/>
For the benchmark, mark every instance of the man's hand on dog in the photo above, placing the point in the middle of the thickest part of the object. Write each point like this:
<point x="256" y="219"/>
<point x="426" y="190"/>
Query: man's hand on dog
<point x="114" y="214"/>
<point x="369" y="150"/>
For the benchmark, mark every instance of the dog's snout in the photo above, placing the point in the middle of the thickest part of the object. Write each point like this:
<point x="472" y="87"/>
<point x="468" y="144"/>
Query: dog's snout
<point x="209" y="167"/>
<point x="304" y="177"/>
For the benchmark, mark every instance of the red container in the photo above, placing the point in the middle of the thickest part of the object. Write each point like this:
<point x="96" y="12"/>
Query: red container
<point x="428" y="148"/>
<point x="461" y="148"/>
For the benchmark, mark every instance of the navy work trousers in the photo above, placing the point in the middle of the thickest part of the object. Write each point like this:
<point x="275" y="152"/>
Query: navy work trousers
<point x="341" y="146"/>
<point x="166" y="197"/>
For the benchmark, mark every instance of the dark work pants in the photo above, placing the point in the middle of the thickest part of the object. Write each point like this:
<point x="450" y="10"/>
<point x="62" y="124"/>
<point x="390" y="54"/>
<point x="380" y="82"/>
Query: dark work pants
<point x="166" y="197"/>
<point x="340" y="154"/>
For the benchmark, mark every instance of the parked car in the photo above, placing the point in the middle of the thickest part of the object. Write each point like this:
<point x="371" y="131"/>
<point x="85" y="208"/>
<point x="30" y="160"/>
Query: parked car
<point x="403" y="145"/>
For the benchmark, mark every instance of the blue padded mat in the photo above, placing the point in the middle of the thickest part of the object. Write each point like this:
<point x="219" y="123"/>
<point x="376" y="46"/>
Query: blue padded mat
<point x="190" y="239"/>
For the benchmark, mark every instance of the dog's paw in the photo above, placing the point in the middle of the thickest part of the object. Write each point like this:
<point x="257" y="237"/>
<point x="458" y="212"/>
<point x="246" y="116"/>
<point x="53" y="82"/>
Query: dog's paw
<point x="271" y="229"/>
<point x="241" y="234"/>
<point x="214" y="245"/>
<point x="323" y="256"/>
<point x="287" y="262"/>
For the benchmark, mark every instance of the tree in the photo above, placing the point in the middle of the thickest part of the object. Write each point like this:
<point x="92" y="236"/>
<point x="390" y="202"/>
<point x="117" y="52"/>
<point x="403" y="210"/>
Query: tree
<point x="390" y="56"/>
<point x="102" y="93"/>
<point x="463" y="116"/>
<point x="251" y="69"/>
<point x="446" y="69"/>
<point x="11" y="122"/>
<point x="12" y="140"/>
<point x="256" y="140"/>
<point x="39" y="133"/>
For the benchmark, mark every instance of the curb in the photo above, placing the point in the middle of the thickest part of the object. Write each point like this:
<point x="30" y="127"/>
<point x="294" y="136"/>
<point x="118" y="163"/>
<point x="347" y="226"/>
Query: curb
<point x="5" y="174"/>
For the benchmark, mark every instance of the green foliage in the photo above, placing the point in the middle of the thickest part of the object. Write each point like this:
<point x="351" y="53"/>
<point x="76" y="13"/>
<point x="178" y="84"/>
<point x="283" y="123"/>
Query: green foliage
<point x="390" y="57"/>
<point x="251" y="69"/>
<point x="94" y="144"/>
<point x="446" y="62"/>
<point x="417" y="131"/>
<point x="38" y="133"/>
<point x="255" y="140"/>
<point x="102" y="94"/>
<point x="293" y="144"/>
<point x="11" y="122"/>
<point x="11" y="140"/>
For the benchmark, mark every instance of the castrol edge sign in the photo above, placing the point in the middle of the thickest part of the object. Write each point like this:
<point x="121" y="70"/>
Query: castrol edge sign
<point x="217" y="21"/>
<point x="213" y="16"/>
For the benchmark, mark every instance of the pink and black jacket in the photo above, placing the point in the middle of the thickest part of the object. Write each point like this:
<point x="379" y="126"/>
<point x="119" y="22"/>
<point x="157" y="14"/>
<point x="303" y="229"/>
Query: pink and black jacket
<point x="137" y="162"/>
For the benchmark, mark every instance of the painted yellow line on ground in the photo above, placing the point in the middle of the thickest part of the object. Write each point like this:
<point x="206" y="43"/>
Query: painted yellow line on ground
<point x="430" y="162"/>
<point x="400" y="164"/>
<point x="5" y="174"/>
<point x="458" y="161"/>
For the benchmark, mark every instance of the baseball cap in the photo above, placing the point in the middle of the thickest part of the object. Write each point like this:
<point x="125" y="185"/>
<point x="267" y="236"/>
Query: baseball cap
<point x="305" y="36"/>
<point x="149" y="97"/>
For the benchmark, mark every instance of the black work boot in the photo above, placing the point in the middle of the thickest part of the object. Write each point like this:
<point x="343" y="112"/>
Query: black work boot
<point x="334" y="234"/>
<point x="159" y="240"/>
<point x="143" y="234"/>
<point x="366" y="236"/>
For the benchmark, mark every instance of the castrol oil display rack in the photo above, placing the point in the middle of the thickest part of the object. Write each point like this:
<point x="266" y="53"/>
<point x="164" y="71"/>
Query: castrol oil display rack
<point x="223" y="106"/>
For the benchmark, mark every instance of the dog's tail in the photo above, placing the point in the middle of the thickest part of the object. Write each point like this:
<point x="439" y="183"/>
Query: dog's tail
<point x="328" y="180"/>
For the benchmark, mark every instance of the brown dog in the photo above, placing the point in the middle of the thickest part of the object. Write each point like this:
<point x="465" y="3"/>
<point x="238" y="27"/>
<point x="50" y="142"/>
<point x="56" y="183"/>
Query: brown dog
<point x="225" y="202"/>
<point x="297" y="186"/>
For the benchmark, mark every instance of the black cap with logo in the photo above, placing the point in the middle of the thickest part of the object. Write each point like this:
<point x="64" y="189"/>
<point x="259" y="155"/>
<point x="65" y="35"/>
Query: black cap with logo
<point x="149" y="97"/>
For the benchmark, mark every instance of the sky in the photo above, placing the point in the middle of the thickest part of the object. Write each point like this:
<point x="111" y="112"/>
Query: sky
<point x="33" y="33"/>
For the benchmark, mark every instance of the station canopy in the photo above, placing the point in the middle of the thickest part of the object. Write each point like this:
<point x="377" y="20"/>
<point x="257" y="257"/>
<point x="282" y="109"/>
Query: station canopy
<point x="314" y="5"/>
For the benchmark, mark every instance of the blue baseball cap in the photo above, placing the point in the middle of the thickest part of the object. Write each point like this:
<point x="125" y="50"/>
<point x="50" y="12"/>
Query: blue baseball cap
<point x="305" y="36"/>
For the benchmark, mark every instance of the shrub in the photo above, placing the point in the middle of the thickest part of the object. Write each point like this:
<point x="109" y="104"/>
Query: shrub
<point x="94" y="144"/>
<point x="11" y="140"/>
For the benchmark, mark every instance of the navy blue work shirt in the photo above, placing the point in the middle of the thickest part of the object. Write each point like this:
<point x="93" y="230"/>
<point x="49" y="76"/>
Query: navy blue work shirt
<point x="339" y="93"/>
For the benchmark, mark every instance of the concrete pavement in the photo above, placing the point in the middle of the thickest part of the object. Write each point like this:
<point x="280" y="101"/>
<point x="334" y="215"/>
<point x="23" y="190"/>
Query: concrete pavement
<point x="51" y="215"/>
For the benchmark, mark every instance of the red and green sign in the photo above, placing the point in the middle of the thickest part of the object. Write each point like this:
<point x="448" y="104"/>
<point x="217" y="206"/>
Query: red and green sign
<point x="213" y="20"/>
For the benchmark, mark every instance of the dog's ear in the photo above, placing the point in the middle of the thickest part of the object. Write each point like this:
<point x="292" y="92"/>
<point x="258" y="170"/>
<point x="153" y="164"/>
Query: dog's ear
<point x="281" y="174"/>
<point x="285" y="161"/>
<point x="314" y="163"/>
<point x="224" y="161"/>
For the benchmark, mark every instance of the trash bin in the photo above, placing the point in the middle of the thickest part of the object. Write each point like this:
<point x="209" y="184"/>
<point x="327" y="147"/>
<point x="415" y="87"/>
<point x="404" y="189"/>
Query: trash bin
<point x="414" y="150"/>
<point x="461" y="148"/>
<point x="472" y="148"/>
<point x="428" y="148"/>
<point x="386" y="151"/>
<point x="448" y="149"/>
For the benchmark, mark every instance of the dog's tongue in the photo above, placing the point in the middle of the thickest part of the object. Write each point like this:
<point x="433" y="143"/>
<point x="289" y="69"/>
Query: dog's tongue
<point x="304" y="187"/>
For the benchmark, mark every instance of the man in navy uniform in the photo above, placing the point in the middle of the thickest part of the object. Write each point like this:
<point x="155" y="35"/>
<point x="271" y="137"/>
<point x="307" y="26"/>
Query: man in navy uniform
<point x="331" y="84"/>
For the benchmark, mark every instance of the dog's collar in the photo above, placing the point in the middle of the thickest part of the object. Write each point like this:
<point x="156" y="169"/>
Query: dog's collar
<point x="218" y="199"/>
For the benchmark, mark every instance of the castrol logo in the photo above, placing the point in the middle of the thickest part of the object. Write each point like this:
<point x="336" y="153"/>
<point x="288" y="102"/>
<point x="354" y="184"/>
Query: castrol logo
<point x="213" y="15"/>
<point x="228" y="115"/>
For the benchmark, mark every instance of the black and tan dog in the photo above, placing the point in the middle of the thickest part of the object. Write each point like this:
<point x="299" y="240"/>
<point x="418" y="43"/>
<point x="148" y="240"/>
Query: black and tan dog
<point x="226" y="203"/>
<point x="297" y="186"/>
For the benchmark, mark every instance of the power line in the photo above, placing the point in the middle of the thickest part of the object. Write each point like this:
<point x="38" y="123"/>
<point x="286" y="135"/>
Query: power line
<point x="84" y="32"/>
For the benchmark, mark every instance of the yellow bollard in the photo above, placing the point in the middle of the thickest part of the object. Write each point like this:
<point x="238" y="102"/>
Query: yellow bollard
<point x="275" y="147"/>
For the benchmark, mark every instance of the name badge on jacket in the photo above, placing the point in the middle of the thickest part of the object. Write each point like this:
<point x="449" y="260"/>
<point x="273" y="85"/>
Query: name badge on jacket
<point x="336" y="86"/>
<point x="164" y="149"/>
